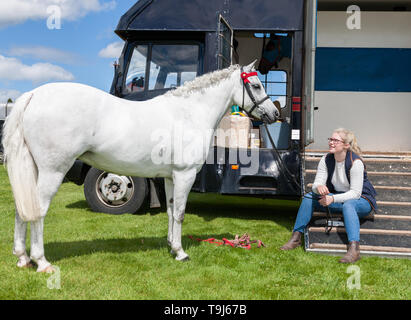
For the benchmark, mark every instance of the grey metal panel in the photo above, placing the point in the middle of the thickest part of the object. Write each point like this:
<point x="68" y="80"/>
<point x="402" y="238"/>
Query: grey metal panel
<point x="309" y="69"/>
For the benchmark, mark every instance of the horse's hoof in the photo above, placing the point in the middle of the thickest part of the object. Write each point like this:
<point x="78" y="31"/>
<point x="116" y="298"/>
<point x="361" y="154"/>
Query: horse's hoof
<point x="25" y="262"/>
<point x="48" y="269"/>
<point x="25" y="265"/>
<point x="182" y="257"/>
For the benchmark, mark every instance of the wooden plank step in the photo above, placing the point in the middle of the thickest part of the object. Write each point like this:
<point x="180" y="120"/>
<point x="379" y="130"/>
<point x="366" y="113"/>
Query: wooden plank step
<point x="376" y="216"/>
<point x="391" y="238"/>
<point x="395" y="188"/>
<point x="362" y="248"/>
<point x="372" y="164"/>
<point x="385" y="193"/>
<point x="389" y="224"/>
<point x="393" y="193"/>
<point x="392" y="208"/>
<point x="384" y="178"/>
<point x="373" y="173"/>
<point x="388" y="173"/>
<point x="403" y="233"/>
<point x="394" y="203"/>
<point x="401" y="208"/>
<point x="367" y="153"/>
<point x="406" y="160"/>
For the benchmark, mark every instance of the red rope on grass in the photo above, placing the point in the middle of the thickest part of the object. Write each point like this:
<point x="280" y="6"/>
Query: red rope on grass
<point x="239" y="242"/>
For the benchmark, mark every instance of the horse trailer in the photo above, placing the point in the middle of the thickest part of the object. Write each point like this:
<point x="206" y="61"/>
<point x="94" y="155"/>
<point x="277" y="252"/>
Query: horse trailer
<point x="167" y="43"/>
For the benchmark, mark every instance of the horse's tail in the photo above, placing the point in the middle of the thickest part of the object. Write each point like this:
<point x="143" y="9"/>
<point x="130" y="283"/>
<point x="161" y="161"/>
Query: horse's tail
<point x="21" y="167"/>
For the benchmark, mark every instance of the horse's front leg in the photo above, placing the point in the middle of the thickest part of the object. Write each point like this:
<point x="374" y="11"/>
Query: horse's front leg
<point x="183" y="181"/>
<point x="19" y="249"/>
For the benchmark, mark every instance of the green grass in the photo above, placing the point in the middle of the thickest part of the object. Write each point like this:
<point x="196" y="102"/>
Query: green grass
<point x="103" y="256"/>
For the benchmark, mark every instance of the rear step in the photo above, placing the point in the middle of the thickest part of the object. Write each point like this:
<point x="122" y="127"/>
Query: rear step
<point x="386" y="234"/>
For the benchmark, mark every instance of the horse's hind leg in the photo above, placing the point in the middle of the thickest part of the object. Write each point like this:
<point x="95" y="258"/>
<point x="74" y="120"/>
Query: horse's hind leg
<point x="183" y="181"/>
<point x="169" y="188"/>
<point x="48" y="183"/>
<point x="37" y="246"/>
<point x="19" y="249"/>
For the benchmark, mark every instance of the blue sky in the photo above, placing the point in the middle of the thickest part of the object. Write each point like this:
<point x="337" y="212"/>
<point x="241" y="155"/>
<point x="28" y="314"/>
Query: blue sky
<point x="82" y="50"/>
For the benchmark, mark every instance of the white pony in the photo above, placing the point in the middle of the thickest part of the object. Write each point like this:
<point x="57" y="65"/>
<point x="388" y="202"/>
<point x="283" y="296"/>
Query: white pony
<point x="53" y="125"/>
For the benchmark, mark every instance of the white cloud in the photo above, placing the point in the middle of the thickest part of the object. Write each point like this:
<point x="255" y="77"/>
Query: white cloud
<point x="5" y="94"/>
<point x="44" y="53"/>
<point x="18" y="11"/>
<point x="12" y="69"/>
<point x="113" y="50"/>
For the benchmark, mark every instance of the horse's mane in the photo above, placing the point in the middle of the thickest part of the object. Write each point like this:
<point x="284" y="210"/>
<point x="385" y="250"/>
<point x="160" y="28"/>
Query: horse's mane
<point x="202" y="82"/>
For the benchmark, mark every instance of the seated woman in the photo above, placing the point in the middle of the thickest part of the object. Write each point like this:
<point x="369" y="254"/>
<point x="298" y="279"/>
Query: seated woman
<point x="341" y="184"/>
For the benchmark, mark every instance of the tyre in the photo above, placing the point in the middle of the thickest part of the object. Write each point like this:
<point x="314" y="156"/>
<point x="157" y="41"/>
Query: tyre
<point x="110" y="193"/>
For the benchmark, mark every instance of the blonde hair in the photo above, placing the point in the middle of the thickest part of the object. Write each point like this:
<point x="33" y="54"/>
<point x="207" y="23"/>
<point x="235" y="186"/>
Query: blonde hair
<point x="349" y="137"/>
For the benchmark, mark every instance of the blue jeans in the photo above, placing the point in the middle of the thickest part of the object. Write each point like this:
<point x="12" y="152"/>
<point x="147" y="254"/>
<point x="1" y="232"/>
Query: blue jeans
<point x="352" y="211"/>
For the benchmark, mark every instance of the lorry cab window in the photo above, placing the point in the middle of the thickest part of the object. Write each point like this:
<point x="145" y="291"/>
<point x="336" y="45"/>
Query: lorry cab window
<point x="170" y="66"/>
<point x="136" y="70"/>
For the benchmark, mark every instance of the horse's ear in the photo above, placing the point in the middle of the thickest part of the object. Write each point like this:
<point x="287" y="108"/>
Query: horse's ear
<point x="250" y="67"/>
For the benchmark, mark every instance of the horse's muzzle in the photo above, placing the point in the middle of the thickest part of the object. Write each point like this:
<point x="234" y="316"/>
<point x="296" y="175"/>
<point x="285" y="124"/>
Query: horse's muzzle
<point x="269" y="118"/>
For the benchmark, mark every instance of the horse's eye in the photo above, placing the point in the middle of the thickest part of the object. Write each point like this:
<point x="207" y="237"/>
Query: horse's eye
<point x="256" y="86"/>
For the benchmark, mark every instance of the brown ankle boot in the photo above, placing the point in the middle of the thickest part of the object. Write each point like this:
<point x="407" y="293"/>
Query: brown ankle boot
<point x="294" y="242"/>
<point x="353" y="253"/>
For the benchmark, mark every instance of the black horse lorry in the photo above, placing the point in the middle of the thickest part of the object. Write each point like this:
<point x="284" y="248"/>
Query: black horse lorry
<point x="167" y="43"/>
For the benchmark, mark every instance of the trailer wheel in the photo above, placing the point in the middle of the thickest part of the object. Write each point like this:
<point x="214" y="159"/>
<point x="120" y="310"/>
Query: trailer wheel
<point x="110" y="193"/>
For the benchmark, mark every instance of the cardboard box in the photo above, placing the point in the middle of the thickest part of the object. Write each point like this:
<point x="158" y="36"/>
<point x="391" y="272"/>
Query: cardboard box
<point x="255" y="141"/>
<point x="233" y="132"/>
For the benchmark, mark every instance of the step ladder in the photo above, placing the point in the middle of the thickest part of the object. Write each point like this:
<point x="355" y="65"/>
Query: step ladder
<point x="388" y="234"/>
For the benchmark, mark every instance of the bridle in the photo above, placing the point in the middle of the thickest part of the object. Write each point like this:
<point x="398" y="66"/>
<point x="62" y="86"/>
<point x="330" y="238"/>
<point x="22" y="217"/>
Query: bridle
<point x="247" y="86"/>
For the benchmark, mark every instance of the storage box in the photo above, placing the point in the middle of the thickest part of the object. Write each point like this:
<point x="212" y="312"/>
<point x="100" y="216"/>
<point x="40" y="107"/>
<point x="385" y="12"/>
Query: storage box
<point x="255" y="141"/>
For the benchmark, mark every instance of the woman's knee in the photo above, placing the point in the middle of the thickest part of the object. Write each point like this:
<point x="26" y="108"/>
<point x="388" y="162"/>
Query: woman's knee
<point x="349" y="207"/>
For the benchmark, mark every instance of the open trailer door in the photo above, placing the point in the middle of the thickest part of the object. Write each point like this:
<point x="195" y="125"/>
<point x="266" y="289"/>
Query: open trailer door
<point x="225" y="43"/>
<point x="310" y="39"/>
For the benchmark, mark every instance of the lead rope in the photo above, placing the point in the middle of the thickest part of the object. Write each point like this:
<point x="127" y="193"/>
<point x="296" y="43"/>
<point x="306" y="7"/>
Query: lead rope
<point x="329" y="223"/>
<point x="243" y="242"/>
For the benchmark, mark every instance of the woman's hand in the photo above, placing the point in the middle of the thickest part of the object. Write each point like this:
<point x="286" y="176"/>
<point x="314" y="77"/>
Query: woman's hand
<point x="322" y="190"/>
<point x="326" y="200"/>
